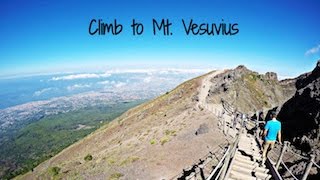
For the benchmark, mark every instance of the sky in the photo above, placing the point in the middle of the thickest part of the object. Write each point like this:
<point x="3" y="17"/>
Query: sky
<point x="52" y="36"/>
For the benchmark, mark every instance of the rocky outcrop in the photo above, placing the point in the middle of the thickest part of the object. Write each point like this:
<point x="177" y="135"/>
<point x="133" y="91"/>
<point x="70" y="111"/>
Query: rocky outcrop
<point x="248" y="90"/>
<point x="271" y="76"/>
<point x="301" y="114"/>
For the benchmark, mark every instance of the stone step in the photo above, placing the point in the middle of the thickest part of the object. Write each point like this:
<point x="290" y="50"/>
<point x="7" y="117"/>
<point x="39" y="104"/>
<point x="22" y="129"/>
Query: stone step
<point x="249" y="165"/>
<point x="239" y="154"/>
<point x="261" y="175"/>
<point x="243" y="170"/>
<point x="248" y="152"/>
<point x="244" y="159"/>
<point x="244" y="147"/>
<point x="251" y="144"/>
<point x="261" y="170"/>
<point x="252" y="168"/>
<point x="249" y="147"/>
<point x="241" y="176"/>
<point x="254" y="158"/>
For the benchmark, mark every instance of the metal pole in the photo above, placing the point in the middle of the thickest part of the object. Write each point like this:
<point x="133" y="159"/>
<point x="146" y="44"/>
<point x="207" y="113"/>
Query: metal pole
<point x="257" y="124"/>
<point x="225" y="167"/>
<point x="232" y="151"/>
<point x="286" y="143"/>
<point x="201" y="173"/>
<point x="307" y="171"/>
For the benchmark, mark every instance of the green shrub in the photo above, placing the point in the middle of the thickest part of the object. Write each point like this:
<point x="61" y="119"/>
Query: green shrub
<point x="54" y="170"/>
<point x="129" y="160"/>
<point x="88" y="157"/>
<point x="116" y="175"/>
<point x="164" y="140"/>
<point x="170" y="132"/>
<point x="152" y="141"/>
<point x="111" y="161"/>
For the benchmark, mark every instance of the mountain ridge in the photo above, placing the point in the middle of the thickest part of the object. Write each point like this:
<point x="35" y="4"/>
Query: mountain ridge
<point x="160" y="135"/>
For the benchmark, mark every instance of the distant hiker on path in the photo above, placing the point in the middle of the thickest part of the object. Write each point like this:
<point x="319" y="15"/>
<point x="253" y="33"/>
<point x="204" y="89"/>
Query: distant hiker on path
<point x="235" y="120"/>
<point x="272" y="130"/>
<point x="261" y="123"/>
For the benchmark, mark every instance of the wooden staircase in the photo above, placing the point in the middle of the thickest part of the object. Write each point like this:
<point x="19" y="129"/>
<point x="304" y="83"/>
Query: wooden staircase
<point x="245" y="163"/>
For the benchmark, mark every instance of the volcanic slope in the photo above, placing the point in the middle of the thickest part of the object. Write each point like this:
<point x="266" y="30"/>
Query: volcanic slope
<point x="158" y="139"/>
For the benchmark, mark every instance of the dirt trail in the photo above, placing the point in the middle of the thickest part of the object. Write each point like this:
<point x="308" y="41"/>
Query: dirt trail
<point x="205" y="87"/>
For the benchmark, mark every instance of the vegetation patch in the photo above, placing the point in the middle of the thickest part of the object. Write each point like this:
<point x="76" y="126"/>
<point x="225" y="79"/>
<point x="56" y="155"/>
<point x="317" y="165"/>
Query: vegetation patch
<point x="53" y="171"/>
<point x="164" y="140"/>
<point x="63" y="130"/>
<point x="152" y="141"/>
<point x="115" y="176"/>
<point x="129" y="160"/>
<point x="170" y="133"/>
<point x="253" y="86"/>
<point x="88" y="157"/>
<point x="111" y="161"/>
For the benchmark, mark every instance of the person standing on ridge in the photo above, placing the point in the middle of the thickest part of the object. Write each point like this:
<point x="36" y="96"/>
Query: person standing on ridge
<point x="272" y="130"/>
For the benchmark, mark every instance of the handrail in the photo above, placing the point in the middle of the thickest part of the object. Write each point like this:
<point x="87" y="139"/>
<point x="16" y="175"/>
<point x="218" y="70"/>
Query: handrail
<point x="227" y="107"/>
<point x="296" y="154"/>
<point x="217" y="167"/>
<point x="317" y="165"/>
<point x="221" y="169"/>
<point x="286" y="148"/>
<point x="230" y="155"/>
<point x="194" y="172"/>
<point x="273" y="170"/>
<point x="285" y="166"/>
<point x="275" y="173"/>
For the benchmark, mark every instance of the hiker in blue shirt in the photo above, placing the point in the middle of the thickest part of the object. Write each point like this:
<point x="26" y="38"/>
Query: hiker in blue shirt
<point x="272" y="130"/>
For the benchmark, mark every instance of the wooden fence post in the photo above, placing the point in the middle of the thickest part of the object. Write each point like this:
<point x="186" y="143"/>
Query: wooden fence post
<point x="286" y="143"/>
<point x="307" y="171"/>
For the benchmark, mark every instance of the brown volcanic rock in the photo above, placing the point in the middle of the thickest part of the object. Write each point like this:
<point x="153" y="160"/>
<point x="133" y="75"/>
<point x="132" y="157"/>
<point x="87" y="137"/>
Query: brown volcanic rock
<point x="301" y="114"/>
<point x="271" y="76"/>
<point x="247" y="90"/>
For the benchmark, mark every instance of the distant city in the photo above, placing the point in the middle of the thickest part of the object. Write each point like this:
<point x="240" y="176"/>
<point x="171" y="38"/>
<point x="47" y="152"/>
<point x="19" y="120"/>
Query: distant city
<point x="27" y="99"/>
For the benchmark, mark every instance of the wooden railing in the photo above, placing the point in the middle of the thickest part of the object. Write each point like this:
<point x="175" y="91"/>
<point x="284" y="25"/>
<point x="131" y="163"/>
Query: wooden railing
<point x="219" y="171"/>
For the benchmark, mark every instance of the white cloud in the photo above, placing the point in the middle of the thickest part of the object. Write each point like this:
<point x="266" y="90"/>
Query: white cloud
<point x="78" y="86"/>
<point x="282" y="77"/>
<point x="147" y="79"/>
<point x="313" y="50"/>
<point x="161" y="71"/>
<point x="40" y="92"/>
<point x="80" y="76"/>
<point x="120" y="84"/>
<point x="119" y="71"/>
<point x="104" y="82"/>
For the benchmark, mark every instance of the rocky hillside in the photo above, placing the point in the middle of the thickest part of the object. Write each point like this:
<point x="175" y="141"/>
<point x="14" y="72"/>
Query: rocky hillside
<point x="157" y="139"/>
<point x="250" y="91"/>
<point x="301" y="114"/>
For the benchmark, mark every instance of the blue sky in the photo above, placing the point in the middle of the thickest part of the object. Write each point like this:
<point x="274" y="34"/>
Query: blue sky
<point x="52" y="36"/>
